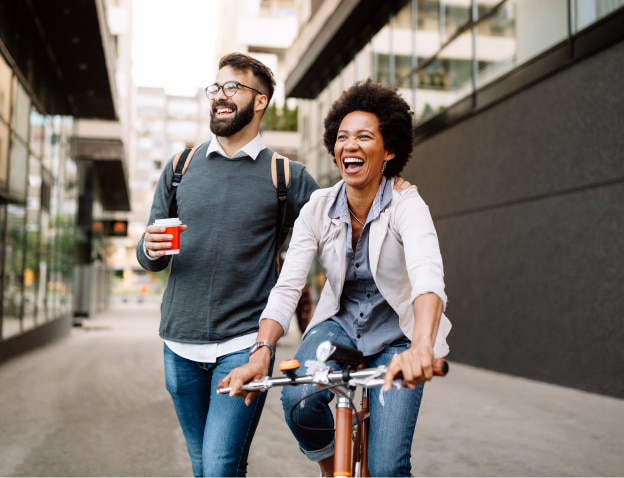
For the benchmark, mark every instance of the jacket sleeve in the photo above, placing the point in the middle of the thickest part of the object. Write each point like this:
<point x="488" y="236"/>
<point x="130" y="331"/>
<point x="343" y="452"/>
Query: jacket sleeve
<point x="301" y="251"/>
<point x="159" y="210"/>
<point x="423" y="259"/>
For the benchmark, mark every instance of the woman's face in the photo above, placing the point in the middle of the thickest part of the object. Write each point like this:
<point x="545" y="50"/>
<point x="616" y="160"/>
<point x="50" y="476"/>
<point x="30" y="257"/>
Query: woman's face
<point x="360" y="151"/>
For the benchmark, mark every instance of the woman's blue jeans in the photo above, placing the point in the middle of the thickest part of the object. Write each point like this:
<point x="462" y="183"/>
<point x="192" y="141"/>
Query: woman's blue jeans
<point x="392" y="419"/>
<point x="218" y="428"/>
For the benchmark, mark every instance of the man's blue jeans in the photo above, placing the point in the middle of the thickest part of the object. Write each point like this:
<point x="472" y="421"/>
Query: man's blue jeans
<point x="392" y="419"/>
<point x="218" y="428"/>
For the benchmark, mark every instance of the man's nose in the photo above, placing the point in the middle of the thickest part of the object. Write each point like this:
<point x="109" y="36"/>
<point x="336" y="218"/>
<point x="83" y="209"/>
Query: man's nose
<point x="219" y="95"/>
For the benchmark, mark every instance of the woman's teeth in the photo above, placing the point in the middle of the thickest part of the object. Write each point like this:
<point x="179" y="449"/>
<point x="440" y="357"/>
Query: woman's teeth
<point x="352" y="162"/>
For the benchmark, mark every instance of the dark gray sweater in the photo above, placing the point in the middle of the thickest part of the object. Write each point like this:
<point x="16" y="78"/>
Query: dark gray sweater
<point x="220" y="281"/>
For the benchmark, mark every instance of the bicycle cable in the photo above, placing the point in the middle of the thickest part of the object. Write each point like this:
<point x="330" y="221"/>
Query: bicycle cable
<point x="337" y="392"/>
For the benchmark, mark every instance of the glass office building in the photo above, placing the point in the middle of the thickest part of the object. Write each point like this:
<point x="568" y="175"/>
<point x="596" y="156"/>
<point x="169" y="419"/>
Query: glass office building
<point x="443" y="55"/>
<point x="38" y="210"/>
<point x="518" y="152"/>
<point x="54" y="72"/>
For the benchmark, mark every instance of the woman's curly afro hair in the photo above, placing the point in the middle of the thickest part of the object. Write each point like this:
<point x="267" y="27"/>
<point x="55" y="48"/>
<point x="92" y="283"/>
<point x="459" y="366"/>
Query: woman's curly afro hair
<point x="392" y="111"/>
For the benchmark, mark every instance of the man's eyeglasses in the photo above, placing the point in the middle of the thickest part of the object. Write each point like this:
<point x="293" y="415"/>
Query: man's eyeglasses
<point x="229" y="89"/>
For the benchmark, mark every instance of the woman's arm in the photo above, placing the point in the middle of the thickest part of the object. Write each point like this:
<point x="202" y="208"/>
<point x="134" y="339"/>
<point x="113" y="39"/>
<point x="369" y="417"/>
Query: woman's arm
<point x="414" y="365"/>
<point x="423" y="260"/>
<point x="426" y="275"/>
<point x="280" y="307"/>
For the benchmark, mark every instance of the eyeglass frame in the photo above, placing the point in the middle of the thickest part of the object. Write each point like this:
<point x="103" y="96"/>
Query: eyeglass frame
<point x="222" y="88"/>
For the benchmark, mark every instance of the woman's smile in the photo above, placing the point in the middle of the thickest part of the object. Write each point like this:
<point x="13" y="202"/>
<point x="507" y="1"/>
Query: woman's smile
<point x="352" y="164"/>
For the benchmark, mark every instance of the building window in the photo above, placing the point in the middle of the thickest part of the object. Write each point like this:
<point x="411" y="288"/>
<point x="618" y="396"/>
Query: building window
<point x="590" y="11"/>
<point x="4" y="155"/>
<point x="497" y="45"/>
<point x="12" y="312"/>
<point x="445" y="79"/>
<point x="18" y="169"/>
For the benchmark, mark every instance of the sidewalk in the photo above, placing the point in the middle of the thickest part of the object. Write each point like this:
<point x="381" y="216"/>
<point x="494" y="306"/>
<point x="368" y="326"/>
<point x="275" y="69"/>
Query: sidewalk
<point x="94" y="404"/>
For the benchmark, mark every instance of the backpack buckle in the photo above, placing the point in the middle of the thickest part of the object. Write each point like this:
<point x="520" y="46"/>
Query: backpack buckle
<point x="177" y="177"/>
<point x="282" y="194"/>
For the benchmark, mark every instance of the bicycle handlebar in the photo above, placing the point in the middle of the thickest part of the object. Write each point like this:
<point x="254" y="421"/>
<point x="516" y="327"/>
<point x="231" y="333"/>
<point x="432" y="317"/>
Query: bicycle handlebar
<point x="366" y="378"/>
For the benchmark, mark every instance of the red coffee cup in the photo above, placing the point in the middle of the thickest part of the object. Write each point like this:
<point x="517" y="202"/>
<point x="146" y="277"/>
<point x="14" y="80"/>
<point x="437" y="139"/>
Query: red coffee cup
<point x="172" y="226"/>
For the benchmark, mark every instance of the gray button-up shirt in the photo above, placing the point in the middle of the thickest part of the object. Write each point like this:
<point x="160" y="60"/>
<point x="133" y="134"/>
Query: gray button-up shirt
<point x="364" y="313"/>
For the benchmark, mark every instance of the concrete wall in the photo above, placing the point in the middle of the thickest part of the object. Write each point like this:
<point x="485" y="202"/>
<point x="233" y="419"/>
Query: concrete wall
<point x="528" y="201"/>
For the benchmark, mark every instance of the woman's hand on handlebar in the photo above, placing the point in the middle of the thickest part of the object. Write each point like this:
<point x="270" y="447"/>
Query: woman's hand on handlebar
<point x="412" y="366"/>
<point x="257" y="367"/>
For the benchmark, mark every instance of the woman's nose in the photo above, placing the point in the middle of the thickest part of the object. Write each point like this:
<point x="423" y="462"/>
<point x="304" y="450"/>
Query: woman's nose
<point x="351" y="143"/>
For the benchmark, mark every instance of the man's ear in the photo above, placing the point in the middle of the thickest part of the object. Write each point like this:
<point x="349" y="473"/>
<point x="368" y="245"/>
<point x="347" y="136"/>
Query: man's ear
<point x="261" y="102"/>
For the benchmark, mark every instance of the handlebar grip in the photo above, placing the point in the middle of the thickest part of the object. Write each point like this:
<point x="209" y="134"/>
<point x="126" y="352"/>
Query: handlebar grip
<point x="440" y="367"/>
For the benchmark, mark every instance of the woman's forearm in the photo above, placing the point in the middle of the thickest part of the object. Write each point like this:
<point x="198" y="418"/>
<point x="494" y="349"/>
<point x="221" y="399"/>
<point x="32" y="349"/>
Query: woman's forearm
<point x="428" y="309"/>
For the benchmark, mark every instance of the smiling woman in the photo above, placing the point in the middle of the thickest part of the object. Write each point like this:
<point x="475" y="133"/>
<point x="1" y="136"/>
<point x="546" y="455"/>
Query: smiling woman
<point x="384" y="293"/>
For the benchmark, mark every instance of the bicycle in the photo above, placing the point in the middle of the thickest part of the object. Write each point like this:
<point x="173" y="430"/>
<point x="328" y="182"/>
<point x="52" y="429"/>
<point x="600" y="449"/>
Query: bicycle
<point x="351" y="429"/>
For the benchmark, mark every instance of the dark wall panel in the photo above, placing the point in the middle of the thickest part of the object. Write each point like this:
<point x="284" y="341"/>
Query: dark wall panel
<point x="528" y="200"/>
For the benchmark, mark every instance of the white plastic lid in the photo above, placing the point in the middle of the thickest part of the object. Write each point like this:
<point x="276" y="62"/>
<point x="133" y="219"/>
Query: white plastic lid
<point x="172" y="221"/>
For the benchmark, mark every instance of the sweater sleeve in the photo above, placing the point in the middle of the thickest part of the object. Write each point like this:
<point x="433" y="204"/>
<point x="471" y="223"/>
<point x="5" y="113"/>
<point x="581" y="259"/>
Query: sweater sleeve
<point x="159" y="210"/>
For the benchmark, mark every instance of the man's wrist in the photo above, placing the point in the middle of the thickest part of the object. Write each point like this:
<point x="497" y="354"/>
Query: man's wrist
<point x="262" y="344"/>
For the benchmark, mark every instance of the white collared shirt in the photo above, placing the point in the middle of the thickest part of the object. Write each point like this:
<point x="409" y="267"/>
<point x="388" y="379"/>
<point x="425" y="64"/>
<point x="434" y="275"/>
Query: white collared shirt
<point x="251" y="149"/>
<point x="208" y="353"/>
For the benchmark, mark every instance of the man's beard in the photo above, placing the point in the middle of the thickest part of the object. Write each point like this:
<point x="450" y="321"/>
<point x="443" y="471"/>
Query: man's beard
<point x="226" y="128"/>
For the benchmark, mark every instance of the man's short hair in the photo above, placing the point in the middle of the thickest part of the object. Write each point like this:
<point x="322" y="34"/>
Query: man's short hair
<point x="263" y="73"/>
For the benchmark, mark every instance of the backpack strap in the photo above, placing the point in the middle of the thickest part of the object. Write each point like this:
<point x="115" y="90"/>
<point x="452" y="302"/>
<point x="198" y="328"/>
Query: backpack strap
<point x="180" y="165"/>
<point x="280" y="173"/>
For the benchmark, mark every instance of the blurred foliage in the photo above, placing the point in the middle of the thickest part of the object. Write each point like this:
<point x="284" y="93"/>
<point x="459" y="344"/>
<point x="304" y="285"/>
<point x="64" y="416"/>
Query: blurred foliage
<point x="280" y="120"/>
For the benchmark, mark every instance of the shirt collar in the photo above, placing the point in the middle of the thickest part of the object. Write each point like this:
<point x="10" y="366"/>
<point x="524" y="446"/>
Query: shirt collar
<point x="251" y="149"/>
<point x="340" y="209"/>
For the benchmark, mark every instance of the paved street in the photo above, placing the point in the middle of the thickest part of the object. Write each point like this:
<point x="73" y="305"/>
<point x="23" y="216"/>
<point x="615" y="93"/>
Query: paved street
<point x="94" y="404"/>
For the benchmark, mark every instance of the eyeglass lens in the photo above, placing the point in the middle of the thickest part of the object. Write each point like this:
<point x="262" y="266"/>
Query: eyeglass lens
<point x="229" y="89"/>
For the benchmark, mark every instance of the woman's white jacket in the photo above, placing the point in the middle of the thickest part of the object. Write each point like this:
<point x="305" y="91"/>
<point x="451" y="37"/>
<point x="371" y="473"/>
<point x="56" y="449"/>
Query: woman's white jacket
<point x="404" y="257"/>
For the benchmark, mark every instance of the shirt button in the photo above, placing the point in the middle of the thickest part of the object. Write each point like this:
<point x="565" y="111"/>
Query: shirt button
<point x="361" y="314"/>
<point x="357" y="265"/>
<point x="358" y="336"/>
<point x="368" y="295"/>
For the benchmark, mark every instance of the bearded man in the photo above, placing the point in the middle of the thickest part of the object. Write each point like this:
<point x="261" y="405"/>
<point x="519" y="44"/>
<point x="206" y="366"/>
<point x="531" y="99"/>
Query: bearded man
<point x="220" y="281"/>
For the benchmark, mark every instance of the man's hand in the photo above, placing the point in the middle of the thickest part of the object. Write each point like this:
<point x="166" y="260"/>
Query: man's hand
<point x="401" y="184"/>
<point x="156" y="242"/>
<point x="257" y="367"/>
